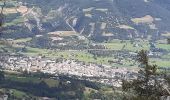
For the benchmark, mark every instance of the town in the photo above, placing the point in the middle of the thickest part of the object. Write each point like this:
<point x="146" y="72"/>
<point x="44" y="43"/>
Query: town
<point x="93" y="72"/>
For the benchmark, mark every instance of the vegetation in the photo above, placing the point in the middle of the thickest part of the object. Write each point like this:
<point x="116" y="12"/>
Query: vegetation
<point x="37" y="85"/>
<point x="149" y="84"/>
<point x="168" y="40"/>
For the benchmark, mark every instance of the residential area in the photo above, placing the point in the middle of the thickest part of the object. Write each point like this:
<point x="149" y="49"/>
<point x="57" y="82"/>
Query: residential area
<point x="94" y="72"/>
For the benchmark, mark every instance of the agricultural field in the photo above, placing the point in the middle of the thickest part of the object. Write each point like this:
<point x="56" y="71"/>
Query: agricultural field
<point x="14" y="22"/>
<point x="164" y="46"/>
<point x="16" y="93"/>
<point x="114" y="59"/>
<point x="160" y="62"/>
<point x="127" y="45"/>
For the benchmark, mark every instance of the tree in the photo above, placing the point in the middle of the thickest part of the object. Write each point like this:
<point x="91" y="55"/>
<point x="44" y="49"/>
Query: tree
<point x="2" y="15"/>
<point x="168" y="40"/>
<point x="1" y="23"/>
<point x="42" y="42"/>
<point x="148" y="84"/>
<point x="1" y="12"/>
<point x="142" y="57"/>
<point x="2" y="77"/>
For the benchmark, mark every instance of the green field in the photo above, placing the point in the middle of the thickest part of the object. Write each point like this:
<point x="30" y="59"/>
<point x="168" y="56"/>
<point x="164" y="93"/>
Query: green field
<point x="164" y="46"/>
<point x="126" y="45"/>
<point x="35" y="86"/>
<point x="14" y="22"/>
<point x="16" y="93"/>
<point x="116" y="45"/>
<point x="160" y="62"/>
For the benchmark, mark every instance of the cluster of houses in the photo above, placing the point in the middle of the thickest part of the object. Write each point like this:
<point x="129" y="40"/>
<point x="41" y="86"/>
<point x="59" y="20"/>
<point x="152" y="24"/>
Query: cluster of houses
<point x="64" y="66"/>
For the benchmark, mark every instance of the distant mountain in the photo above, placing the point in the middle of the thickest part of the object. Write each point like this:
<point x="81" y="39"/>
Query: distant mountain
<point x="99" y="20"/>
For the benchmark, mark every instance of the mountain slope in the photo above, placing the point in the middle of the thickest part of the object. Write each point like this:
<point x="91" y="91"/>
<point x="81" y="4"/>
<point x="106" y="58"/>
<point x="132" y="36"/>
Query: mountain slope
<point x="98" y="19"/>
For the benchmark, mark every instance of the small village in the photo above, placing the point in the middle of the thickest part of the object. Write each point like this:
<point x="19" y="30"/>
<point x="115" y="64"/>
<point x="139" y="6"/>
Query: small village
<point x="93" y="72"/>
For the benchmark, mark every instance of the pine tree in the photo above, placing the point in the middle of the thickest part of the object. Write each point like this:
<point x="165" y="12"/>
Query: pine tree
<point x="147" y="85"/>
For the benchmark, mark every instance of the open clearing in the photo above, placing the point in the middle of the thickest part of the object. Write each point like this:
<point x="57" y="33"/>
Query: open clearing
<point x="145" y="19"/>
<point x="63" y="33"/>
